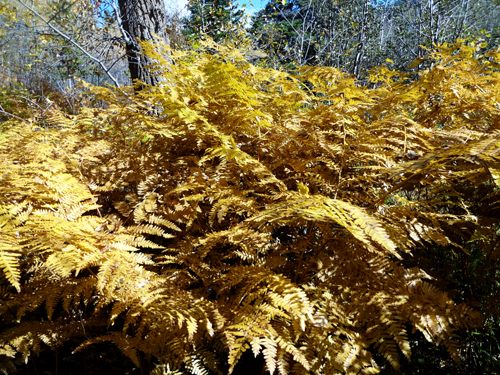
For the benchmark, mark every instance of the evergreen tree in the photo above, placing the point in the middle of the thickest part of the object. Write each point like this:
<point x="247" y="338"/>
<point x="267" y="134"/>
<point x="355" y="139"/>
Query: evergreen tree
<point x="358" y="35"/>
<point x="288" y="32"/>
<point x="215" y="18"/>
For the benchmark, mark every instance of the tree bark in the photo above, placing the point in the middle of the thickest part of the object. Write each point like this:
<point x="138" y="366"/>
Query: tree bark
<point x="141" y="20"/>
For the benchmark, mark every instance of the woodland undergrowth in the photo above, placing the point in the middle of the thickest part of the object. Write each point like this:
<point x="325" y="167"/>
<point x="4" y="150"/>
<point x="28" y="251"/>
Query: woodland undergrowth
<point x="237" y="208"/>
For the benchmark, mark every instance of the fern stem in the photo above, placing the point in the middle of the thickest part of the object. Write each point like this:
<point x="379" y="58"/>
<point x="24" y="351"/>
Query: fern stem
<point x="88" y="269"/>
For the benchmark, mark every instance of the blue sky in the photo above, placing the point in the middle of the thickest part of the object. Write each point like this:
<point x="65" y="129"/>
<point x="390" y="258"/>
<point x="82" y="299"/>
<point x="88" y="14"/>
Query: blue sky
<point x="251" y="6"/>
<point x="254" y="5"/>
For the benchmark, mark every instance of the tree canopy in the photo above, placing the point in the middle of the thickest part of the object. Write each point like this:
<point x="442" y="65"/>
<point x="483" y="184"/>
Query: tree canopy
<point x="217" y="19"/>
<point x="358" y="35"/>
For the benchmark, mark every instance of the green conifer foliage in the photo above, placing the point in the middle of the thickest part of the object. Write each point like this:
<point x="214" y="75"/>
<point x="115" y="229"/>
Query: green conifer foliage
<point x="214" y="18"/>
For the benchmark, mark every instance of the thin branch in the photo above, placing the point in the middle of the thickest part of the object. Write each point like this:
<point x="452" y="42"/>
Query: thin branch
<point x="10" y="114"/>
<point x="118" y="59"/>
<point x="69" y="39"/>
<point x="125" y="35"/>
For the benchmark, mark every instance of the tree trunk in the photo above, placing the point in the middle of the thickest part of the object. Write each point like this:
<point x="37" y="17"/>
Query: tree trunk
<point x="141" y="20"/>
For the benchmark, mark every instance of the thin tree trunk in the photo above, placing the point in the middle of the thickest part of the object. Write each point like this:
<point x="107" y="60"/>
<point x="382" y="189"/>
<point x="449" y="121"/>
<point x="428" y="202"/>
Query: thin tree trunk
<point x="142" y="20"/>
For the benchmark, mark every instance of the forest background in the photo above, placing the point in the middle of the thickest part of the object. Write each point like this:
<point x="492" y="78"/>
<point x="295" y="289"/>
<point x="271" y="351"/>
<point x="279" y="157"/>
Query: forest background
<point x="378" y="94"/>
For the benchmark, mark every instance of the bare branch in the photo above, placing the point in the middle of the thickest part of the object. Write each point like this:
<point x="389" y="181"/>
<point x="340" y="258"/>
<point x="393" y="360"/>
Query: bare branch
<point x="125" y="35"/>
<point x="14" y="116"/>
<point x="71" y="40"/>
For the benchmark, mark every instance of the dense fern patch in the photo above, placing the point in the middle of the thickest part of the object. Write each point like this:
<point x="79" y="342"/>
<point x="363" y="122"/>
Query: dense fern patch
<point x="237" y="208"/>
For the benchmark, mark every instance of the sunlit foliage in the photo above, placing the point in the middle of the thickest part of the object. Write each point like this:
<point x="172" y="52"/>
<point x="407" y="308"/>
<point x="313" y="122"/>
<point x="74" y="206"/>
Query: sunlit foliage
<point x="235" y="208"/>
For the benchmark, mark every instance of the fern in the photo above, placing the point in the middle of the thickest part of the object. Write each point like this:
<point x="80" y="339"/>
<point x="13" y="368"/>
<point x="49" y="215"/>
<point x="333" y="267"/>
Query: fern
<point x="245" y="209"/>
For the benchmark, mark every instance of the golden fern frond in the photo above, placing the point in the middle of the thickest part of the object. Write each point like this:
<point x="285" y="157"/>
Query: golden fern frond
<point x="268" y="180"/>
<point x="229" y="150"/>
<point x="270" y="353"/>
<point x="435" y="321"/>
<point x="164" y="369"/>
<point x="388" y="348"/>
<point x="319" y="208"/>
<point x="149" y="229"/>
<point x="157" y="220"/>
<point x="10" y="252"/>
